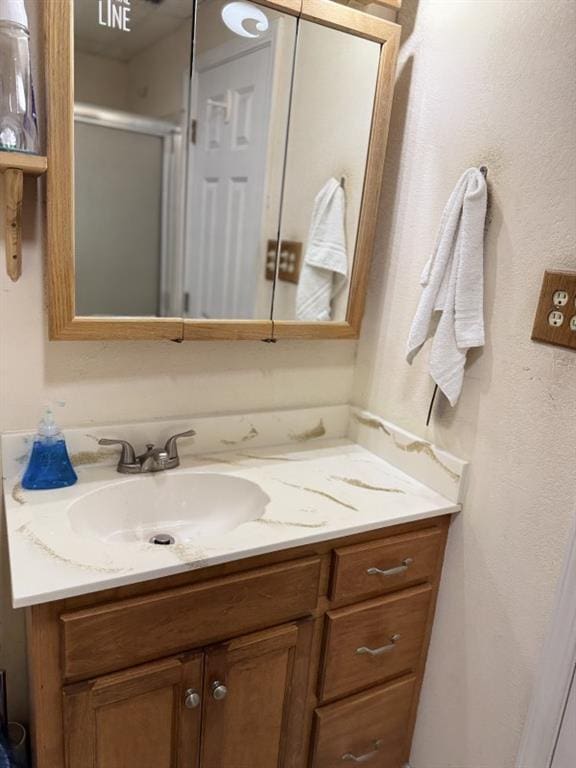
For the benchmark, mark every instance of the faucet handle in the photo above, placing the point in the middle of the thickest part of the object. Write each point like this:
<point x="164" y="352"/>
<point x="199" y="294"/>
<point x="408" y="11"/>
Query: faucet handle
<point x="171" y="447"/>
<point x="128" y="455"/>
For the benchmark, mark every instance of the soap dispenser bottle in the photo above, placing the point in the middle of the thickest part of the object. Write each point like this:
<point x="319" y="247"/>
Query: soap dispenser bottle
<point x="49" y="465"/>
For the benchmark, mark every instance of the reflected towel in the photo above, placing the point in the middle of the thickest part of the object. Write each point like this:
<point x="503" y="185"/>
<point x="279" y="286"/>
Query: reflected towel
<point x="325" y="268"/>
<point x="453" y="284"/>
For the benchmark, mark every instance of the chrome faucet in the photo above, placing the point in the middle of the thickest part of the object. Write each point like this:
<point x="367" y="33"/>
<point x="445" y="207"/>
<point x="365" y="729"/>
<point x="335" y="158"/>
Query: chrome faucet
<point x="152" y="460"/>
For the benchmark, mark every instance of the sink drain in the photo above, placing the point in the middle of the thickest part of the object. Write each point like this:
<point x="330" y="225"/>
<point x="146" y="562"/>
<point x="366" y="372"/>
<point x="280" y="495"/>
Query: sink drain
<point x="162" y="539"/>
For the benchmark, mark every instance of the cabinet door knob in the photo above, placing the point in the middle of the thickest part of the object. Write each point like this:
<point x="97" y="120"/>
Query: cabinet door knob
<point x="406" y="563"/>
<point x="191" y="699"/>
<point x="219" y="690"/>
<point x="349" y="757"/>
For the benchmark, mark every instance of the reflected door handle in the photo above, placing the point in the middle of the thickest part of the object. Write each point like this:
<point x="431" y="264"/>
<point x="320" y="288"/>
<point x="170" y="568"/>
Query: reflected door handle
<point x="225" y="105"/>
<point x="349" y="757"/>
<point x="406" y="563"/>
<point x="219" y="690"/>
<point x="379" y="651"/>
<point x="191" y="699"/>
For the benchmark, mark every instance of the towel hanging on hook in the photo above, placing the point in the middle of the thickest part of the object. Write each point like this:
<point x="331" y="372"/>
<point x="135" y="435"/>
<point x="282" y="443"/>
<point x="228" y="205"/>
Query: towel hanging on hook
<point x="484" y="171"/>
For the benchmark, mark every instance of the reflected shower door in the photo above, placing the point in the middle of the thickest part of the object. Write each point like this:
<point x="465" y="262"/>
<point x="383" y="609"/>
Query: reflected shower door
<point x="123" y="199"/>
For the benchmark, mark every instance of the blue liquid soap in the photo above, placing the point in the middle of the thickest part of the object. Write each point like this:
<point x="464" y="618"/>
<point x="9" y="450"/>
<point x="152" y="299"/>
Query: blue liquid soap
<point x="49" y="465"/>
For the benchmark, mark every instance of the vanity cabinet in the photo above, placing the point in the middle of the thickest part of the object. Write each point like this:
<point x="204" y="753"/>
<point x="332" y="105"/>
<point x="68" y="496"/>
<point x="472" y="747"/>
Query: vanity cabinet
<point x="178" y="712"/>
<point x="306" y="658"/>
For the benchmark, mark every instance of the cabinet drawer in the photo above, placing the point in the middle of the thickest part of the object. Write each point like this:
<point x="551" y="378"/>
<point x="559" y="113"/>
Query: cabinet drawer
<point x="129" y="632"/>
<point x="371" y="727"/>
<point x="374" y="641"/>
<point x="364" y="570"/>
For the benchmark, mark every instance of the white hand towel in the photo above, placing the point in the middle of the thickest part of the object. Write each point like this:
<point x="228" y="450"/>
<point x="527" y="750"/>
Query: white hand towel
<point x="325" y="267"/>
<point x="453" y="284"/>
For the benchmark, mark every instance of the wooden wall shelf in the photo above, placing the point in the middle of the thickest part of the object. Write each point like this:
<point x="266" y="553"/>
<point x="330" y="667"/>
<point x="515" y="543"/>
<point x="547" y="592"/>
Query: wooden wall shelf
<point x="13" y="167"/>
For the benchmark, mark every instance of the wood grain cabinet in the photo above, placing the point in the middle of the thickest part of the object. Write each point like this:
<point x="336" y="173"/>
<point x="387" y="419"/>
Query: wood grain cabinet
<point x="227" y="707"/>
<point x="135" y="718"/>
<point x="368" y="728"/>
<point x="309" y="658"/>
<point x="246" y="719"/>
<point x="374" y="641"/>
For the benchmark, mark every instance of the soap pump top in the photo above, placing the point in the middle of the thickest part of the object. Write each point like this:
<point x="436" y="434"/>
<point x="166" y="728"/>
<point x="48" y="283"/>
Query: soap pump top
<point x="49" y="465"/>
<point x="47" y="426"/>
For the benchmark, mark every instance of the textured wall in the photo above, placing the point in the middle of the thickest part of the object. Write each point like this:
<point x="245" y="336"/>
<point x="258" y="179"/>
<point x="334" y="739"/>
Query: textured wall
<point x="484" y="82"/>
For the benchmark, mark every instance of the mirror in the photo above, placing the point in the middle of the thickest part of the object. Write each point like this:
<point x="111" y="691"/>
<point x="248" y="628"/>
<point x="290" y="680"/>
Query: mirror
<point x="332" y="105"/>
<point x="223" y="158"/>
<point x="131" y="77"/>
<point x="241" y="85"/>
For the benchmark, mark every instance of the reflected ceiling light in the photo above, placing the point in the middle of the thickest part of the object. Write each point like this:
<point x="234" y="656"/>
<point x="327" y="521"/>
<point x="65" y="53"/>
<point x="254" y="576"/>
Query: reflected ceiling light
<point x="235" y="16"/>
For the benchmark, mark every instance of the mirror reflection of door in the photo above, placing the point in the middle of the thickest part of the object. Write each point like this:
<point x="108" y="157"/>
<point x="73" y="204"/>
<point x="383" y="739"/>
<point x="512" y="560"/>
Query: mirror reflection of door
<point x="240" y="102"/>
<point x="227" y="184"/>
<point x="131" y="77"/>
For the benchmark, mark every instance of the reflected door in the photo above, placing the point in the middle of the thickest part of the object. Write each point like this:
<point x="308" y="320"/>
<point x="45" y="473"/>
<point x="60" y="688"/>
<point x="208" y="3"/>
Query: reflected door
<point x="118" y="265"/>
<point x="228" y="181"/>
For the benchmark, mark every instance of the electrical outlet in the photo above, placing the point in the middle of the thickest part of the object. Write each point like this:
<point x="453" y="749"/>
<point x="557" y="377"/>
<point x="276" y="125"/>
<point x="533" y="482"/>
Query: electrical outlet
<point x="289" y="262"/>
<point x="560" y="298"/>
<point x="555" y="318"/>
<point x="555" y="321"/>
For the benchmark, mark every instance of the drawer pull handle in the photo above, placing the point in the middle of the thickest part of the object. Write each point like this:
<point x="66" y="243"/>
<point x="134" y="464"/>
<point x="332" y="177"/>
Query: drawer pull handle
<point x="363" y="758"/>
<point x="406" y="563"/>
<point x="379" y="651"/>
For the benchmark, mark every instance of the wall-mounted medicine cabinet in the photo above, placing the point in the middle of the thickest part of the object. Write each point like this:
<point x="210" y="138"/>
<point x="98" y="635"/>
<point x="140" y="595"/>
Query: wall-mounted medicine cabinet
<point x="214" y="167"/>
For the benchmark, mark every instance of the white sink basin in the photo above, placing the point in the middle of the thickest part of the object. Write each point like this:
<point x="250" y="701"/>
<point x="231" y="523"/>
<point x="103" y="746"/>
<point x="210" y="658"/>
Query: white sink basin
<point x="185" y="506"/>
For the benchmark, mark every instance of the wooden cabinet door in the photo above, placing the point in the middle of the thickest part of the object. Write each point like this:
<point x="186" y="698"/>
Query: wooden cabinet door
<point x="252" y="692"/>
<point x="138" y="718"/>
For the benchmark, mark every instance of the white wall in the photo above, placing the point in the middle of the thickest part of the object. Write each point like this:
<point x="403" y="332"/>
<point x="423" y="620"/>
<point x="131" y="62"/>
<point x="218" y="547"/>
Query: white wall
<point x="100" y="80"/>
<point x="157" y="77"/>
<point x="484" y="82"/>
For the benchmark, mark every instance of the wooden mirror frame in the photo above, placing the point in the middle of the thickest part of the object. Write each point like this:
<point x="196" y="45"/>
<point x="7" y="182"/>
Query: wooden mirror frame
<point x="64" y="324"/>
